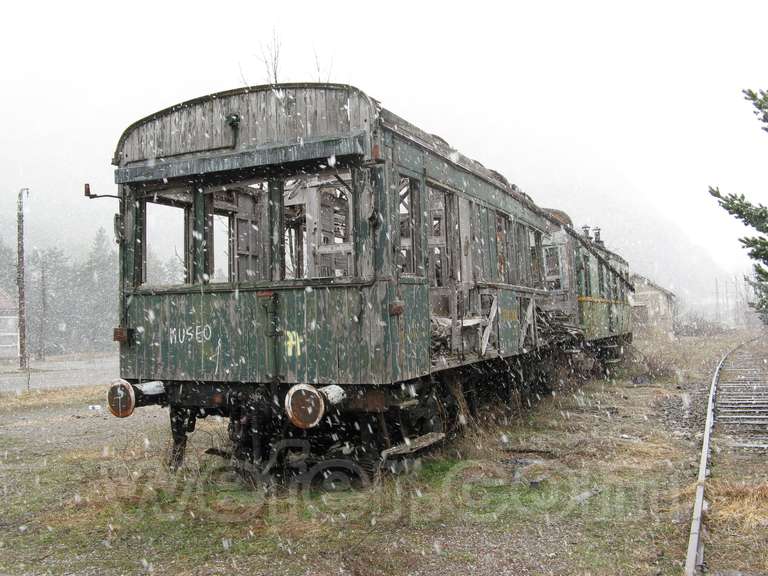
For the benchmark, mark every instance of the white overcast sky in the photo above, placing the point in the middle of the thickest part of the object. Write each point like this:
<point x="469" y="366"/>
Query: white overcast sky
<point x="620" y="113"/>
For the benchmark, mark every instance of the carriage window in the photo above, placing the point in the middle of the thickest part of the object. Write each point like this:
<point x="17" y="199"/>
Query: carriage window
<point x="552" y="268"/>
<point x="504" y="249"/>
<point x="523" y="254"/>
<point x="163" y="245"/>
<point x="294" y="241"/>
<point x="222" y="233"/>
<point x="536" y="258"/>
<point x="318" y="226"/>
<point x="251" y="236"/>
<point x="437" y="257"/>
<point x="601" y="279"/>
<point x="334" y="255"/>
<point x="408" y="209"/>
<point x="586" y="282"/>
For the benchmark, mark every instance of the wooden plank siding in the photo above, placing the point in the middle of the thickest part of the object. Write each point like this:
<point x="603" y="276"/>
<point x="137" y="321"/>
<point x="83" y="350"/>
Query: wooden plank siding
<point x="267" y="116"/>
<point x="330" y="330"/>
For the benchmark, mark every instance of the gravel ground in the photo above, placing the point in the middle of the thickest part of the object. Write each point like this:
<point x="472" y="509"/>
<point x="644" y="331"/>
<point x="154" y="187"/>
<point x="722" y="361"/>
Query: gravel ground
<point x="60" y="372"/>
<point x="591" y="481"/>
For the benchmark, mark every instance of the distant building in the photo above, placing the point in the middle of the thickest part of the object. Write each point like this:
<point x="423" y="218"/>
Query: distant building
<point x="653" y="307"/>
<point x="9" y="327"/>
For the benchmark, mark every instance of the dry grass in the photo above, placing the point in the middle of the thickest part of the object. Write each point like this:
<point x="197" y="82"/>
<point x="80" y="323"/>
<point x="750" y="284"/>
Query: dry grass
<point x="601" y="441"/>
<point x="11" y="401"/>
<point x="739" y="502"/>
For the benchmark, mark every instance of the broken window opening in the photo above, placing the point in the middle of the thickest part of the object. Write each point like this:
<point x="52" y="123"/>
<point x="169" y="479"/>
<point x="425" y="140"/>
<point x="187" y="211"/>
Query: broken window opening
<point x="318" y="226"/>
<point x="438" y="258"/>
<point x="335" y="250"/>
<point x="222" y="233"/>
<point x="408" y="210"/>
<point x="537" y="271"/>
<point x="163" y="245"/>
<point x="552" y="268"/>
<point x="251" y="242"/>
<point x="505" y="249"/>
<point x="231" y="237"/>
<point x="523" y="254"/>
<point x="294" y="241"/>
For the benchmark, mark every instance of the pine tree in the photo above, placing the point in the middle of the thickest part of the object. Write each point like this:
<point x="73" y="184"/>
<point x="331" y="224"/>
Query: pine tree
<point x="754" y="216"/>
<point x="52" y="314"/>
<point x="97" y="284"/>
<point x="7" y="268"/>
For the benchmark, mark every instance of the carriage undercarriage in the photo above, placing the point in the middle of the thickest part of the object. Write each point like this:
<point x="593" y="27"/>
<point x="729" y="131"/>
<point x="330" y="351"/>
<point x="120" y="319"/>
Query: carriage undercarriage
<point x="369" y="428"/>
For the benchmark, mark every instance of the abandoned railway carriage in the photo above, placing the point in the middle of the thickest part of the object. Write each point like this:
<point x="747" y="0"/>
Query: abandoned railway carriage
<point x="587" y="285"/>
<point x="326" y="264"/>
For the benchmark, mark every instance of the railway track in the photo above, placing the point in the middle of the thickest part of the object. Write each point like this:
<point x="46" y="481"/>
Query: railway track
<point x="737" y="411"/>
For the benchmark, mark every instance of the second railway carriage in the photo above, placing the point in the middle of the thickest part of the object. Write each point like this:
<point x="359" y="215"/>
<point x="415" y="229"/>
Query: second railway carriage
<point x="332" y="266"/>
<point x="588" y="284"/>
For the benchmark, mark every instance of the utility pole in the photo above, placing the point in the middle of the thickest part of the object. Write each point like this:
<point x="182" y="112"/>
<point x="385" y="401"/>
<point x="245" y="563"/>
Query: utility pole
<point x="20" y="280"/>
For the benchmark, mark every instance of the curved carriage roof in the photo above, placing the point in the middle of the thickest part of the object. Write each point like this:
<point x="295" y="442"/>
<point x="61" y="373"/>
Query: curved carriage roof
<point x="379" y="114"/>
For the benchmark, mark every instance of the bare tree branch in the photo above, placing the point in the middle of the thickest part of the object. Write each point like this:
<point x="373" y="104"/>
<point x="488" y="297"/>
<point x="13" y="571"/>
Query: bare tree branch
<point x="270" y="54"/>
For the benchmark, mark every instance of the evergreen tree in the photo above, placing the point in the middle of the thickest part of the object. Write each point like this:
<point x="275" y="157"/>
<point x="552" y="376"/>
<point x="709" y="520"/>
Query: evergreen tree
<point x="7" y="268"/>
<point x="53" y="306"/>
<point x="754" y="216"/>
<point x="97" y="284"/>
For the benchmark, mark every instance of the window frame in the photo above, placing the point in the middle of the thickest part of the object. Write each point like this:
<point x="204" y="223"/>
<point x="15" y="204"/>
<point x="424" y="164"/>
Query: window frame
<point x="140" y="252"/>
<point x="415" y="226"/>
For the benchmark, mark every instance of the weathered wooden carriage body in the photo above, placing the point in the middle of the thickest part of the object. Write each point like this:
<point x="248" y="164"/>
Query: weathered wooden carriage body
<point x="587" y="284"/>
<point x="352" y="249"/>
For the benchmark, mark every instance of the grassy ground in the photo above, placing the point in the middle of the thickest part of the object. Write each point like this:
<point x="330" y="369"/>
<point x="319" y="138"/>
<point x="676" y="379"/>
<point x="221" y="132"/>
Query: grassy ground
<point x="594" y="479"/>
<point x="737" y="491"/>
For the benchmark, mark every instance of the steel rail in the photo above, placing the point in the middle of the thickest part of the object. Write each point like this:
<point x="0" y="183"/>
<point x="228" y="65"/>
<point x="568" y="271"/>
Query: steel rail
<point x="695" y="554"/>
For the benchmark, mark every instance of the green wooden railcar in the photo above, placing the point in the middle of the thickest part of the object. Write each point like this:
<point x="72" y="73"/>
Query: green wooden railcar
<point x="588" y="284"/>
<point x="332" y="266"/>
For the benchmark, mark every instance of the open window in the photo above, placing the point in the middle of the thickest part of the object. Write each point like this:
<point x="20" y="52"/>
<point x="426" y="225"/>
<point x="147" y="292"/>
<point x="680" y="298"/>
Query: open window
<point x="505" y="250"/>
<point x="537" y="268"/>
<point x="552" y="268"/>
<point x="163" y="245"/>
<point x="318" y="226"/>
<point x="438" y="256"/>
<point x="251" y="237"/>
<point x="408" y="257"/>
<point x="334" y="253"/>
<point x="235" y="233"/>
<point x="522" y="240"/>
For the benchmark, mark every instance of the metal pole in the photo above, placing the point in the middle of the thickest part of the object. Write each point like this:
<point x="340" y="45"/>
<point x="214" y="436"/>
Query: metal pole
<point x="20" y="281"/>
